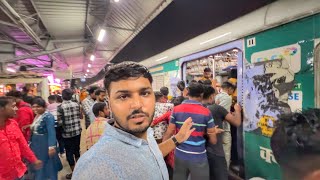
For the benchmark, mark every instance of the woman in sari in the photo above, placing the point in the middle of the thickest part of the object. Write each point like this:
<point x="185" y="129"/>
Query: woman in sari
<point x="43" y="141"/>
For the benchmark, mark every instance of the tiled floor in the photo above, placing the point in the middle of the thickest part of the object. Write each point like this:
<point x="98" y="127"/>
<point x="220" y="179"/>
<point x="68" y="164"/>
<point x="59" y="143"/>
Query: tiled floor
<point x="66" y="169"/>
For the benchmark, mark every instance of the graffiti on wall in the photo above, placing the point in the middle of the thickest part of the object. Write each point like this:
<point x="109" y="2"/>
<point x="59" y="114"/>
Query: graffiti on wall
<point x="268" y="83"/>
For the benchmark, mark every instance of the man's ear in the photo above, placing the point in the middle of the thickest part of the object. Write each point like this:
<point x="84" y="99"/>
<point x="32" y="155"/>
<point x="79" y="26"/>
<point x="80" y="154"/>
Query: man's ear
<point x="101" y="113"/>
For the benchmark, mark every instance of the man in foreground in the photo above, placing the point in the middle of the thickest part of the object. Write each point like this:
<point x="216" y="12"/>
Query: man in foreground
<point x="128" y="150"/>
<point x="296" y="145"/>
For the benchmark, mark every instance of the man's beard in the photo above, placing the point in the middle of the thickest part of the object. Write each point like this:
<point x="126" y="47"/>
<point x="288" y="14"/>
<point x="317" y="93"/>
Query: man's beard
<point x="137" y="130"/>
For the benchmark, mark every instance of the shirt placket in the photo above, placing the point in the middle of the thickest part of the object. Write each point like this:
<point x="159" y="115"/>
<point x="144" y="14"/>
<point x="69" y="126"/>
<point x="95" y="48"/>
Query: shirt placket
<point x="155" y="158"/>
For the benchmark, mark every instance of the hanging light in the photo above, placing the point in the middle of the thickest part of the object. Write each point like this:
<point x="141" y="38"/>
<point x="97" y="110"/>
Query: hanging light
<point x="88" y="70"/>
<point x="89" y="65"/>
<point x="92" y="57"/>
<point x="101" y="35"/>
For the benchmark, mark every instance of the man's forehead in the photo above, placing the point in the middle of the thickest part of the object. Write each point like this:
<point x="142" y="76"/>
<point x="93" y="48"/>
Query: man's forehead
<point x="131" y="84"/>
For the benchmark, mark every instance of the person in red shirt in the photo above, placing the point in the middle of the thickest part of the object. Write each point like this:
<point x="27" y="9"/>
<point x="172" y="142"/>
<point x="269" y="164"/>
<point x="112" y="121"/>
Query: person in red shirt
<point x="24" y="115"/>
<point x="13" y="147"/>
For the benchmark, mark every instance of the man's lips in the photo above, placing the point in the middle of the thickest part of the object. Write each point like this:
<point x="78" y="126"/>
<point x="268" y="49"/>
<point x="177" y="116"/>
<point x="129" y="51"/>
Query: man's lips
<point x="137" y="117"/>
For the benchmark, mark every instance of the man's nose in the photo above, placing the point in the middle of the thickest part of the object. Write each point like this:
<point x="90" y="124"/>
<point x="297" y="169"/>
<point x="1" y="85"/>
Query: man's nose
<point x="136" y="102"/>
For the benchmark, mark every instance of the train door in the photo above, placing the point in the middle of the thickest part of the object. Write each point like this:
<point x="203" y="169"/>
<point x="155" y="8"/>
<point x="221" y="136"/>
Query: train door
<point x="221" y="60"/>
<point x="316" y="73"/>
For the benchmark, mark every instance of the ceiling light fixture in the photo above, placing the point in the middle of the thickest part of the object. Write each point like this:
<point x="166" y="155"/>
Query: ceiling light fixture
<point x="88" y="70"/>
<point x="101" y="34"/>
<point x="86" y="74"/>
<point x="162" y="58"/>
<point x="92" y="57"/>
<point x="11" y="70"/>
<point x="116" y="0"/>
<point x="215" y="38"/>
<point x="89" y="65"/>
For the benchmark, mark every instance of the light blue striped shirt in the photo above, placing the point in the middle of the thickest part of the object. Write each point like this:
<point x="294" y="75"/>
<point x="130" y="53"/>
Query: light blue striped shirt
<point x="120" y="155"/>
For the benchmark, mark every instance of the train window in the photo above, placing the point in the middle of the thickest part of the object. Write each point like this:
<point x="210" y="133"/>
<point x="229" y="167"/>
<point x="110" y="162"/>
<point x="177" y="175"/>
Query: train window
<point x="317" y="75"/>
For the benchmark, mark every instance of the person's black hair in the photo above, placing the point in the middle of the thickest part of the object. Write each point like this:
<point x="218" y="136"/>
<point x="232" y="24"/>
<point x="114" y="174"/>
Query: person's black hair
<point x="296" y="134"/>
<point x="99" y="91"/>
<point x="178" y="100"/>
<point x="207" y="69"/>
<point x="193" y="81"/>
<point x="28" y="99"/>
<point x="200" y="81"/>
<point x="207" y="91"/>
<point x="181" y="85"/>
<point x="164" y="90"/>
<point x="233" y="73"/>
<point x="15" y="94"/>
<point x="195" y="89"/>
<point x="207" y="82"/>
<point x="124" y="71"/>
<point x="52" y="98"/>
<point x="158" y="95"/>
<point x="67" y="94"/>
<point x="5" y="100"/>
<point x="92" y="89"/>
<point x="227" y="85"/>
<point x="97" y="107"/>
<point x="59" y="98"/>
<point x="39" y="101"/>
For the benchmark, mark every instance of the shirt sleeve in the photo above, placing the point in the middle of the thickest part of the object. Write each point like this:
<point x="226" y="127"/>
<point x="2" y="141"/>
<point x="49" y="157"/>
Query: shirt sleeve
<point x="51" y="131"/>
<point x="26" y="152"/>
<point x="210" y="122"/>
<point x="222" y="111"/>
<point x="164" y="117"/>
<point x="60" y="114"/>
<point x="172" y="118"/>
<point x="86" y="106"/>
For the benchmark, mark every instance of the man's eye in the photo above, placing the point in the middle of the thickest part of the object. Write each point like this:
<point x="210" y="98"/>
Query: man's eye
<point x="145" y="93"/>
<point x="123" y="97"/>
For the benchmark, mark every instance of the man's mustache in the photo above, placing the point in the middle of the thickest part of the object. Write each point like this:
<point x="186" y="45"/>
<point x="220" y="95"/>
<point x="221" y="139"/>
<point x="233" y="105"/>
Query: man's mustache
<point x="137" y="111"/>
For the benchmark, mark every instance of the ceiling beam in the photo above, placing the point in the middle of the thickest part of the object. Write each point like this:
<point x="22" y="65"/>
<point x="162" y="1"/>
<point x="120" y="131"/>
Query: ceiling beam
<point x="8" y="24"/>
<point x="121" y="28"/>
<point x="41" y="53"/>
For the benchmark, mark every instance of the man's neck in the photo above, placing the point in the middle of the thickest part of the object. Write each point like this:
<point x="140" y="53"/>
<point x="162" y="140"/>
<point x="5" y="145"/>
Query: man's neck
<point x="199" y="99"/>
<point x="206" y="102"/>
<point x="2" y="121"/>
<point x="138" y="135"/>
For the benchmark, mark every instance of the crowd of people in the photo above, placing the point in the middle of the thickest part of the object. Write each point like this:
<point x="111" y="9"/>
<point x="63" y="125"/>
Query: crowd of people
<point x="133" y="132"/>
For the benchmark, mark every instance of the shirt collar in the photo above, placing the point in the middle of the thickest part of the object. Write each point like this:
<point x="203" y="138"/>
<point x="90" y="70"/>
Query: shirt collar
<point x="126" y="137"/>
<point x="188" y="101"/>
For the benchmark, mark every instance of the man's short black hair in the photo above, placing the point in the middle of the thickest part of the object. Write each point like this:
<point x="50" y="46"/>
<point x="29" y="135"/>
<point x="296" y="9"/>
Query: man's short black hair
<point x="164" y="90"/>
<point x="158" y="95"/>
<point x="99" y="91"/>
<point x="296" y="134"/>
<point x="97" y="107"/>
<point x="92" y="89"/>
<point x="178" y="100"/>
<point x="207" y="82"/>
<point x="207" y="91"/>
<point x="207" y="69"/>
<point x="39" y="101"/>
<point x="124" y="71"/>
<point x="233" y="73"/>
<point x="195" y="89"/>
<point x="67" y="94"/>
<point x="59" y="98"/>
<point x="181" y="85"/>
<point x="52" y="98"/>
<point x="5" y="100"/>
<point x="15" y="94"/>
<point x="227" y="85"/>
<point x="28" y="99"/>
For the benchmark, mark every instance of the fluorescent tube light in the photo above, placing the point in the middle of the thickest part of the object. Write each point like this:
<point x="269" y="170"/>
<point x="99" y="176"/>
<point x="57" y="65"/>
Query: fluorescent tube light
<point x="215" y="38"/>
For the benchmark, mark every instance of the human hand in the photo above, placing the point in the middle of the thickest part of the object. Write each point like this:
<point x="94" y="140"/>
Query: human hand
<point x="185" y="130"/>
<point x="237" y="107"/>
<point x="216" y="130"/>
<point x="51" y="152"/>
<point x="37" y="164"/>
